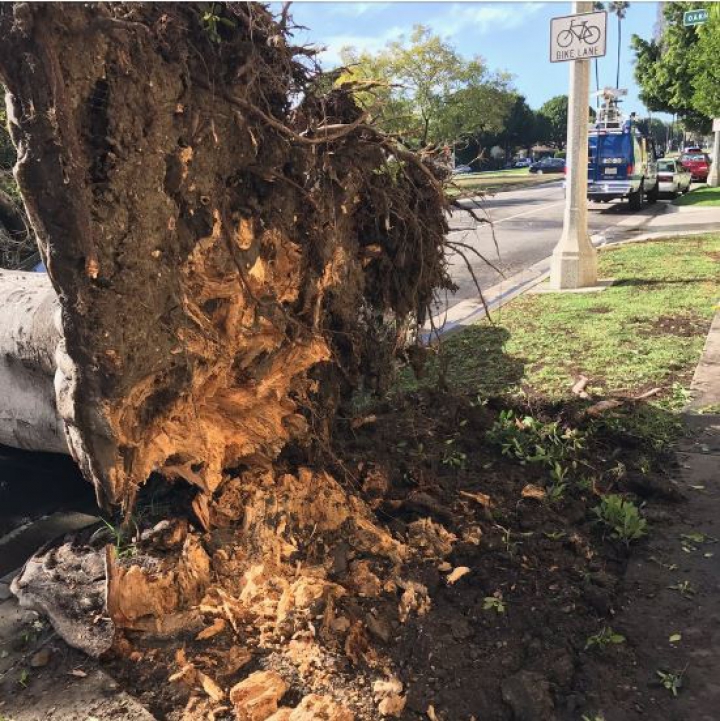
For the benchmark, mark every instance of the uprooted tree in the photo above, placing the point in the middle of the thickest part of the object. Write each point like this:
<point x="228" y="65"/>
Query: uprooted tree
<point x="235" y="248"/>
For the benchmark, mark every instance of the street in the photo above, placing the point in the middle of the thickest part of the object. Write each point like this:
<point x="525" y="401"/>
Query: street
<point x="527" y="224"/>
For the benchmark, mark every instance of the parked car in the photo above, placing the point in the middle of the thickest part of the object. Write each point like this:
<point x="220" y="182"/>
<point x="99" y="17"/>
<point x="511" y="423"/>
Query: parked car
<point x="523" y="163"/>
<point x="698" y="164"/>
<point x="673" y="178"/>
<point x="462" y="170"/>
<point x="693" y="149"/>
<point x="622" y="164"/>
<point x="548" y="165"/>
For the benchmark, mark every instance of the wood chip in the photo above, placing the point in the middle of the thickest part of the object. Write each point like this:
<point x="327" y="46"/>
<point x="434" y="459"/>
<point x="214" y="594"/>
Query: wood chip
<point x="210" y="687"/>
<point x="356" y="423"/>
<point x="531" y="491"/>
<point x="217" y="627"/>
<point x="457" y="574"/>
<point x="484" y="500"/>
<point x="602" y="406"/>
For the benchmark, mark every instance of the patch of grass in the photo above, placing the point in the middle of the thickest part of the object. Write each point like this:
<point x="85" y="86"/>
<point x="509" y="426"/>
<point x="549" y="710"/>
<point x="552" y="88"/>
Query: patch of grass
<point x="539" y="344"/>
<point x="702" y="196"/>
<point x="493" y="182"/>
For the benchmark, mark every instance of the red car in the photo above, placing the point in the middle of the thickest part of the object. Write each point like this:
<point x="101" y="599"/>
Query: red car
<point x="698" y="165"/>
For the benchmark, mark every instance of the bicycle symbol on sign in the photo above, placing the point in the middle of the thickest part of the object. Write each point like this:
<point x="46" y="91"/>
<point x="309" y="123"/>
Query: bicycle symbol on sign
<point x="588" y="34"/>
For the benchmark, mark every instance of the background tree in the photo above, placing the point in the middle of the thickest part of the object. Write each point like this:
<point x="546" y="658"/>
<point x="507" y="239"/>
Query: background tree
<point x="429" y="92"/>
<point x="619" y="9"/>
<point x="666" y="68"/>
<point x="555" y="111"/>
<point x="520" y="126"/>
<point x="706" y="79"/>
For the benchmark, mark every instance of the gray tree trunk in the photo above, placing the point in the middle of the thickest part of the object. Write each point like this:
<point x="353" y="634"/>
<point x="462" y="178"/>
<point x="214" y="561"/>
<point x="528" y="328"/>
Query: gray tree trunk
<point x="29" y="338"/>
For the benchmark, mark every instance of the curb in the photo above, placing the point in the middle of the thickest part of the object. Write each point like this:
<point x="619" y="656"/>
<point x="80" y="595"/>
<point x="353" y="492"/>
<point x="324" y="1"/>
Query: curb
<point x="705" y="385"/>
<point x="498" y="189"/>
<point x="469" y="311"/>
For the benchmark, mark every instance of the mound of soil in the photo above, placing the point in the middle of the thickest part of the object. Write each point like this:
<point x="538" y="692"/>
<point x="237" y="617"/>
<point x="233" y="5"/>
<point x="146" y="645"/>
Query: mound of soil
<point x="516" y="583"/>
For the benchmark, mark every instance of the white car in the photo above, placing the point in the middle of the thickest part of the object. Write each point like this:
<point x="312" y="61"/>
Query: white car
<point x="673" y="178"/>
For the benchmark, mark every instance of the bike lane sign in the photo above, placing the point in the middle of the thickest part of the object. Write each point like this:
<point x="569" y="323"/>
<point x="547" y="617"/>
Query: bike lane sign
<point x="578" y="37"/>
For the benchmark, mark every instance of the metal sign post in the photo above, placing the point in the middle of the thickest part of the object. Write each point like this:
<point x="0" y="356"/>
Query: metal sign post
<point x="576" y="38"/>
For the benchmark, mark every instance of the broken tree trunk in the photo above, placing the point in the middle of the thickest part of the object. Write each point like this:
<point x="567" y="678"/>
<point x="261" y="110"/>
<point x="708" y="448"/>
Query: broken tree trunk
<point x="226" y="237"/>
<point x="235" y="250"/>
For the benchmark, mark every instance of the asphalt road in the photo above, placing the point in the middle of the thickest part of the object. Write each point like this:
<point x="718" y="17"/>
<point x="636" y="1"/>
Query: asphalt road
<point x="526" y="225"/>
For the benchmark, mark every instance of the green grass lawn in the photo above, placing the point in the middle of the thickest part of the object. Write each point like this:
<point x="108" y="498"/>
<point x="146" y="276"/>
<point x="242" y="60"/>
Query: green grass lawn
<point x="701" y="196"/>
<point x="645" y="331"/>
<point x="497" y="181"/>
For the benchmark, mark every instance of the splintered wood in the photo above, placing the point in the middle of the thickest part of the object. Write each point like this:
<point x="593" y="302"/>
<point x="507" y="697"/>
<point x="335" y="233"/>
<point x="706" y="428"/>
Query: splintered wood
<point x="235" y="251"/>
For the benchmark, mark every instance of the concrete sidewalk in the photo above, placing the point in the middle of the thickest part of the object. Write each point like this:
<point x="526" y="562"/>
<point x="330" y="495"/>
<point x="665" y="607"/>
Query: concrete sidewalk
<point x="684" y="220"/>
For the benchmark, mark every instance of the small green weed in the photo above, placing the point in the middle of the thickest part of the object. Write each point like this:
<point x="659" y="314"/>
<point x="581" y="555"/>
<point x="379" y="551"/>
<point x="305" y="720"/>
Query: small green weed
<point x="622" y="517"/>
<point x="605" y="637"/>
<point x="453" y="457"/>
<point x="684" y="588"/>
<point x="671" y="681"/>
<point x="494" y="603"/>
<point x="212" y="20"/>
<point x="124" y="546"/>
<point x="532" y="441"/>
<point x="554" y="535"/>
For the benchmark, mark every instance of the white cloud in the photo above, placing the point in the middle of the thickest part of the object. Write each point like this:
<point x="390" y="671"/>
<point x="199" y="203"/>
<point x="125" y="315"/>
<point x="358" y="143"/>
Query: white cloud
<point x="355" y="9"/>
<point x="481" y="19"/>
<point x="330" y="57"/>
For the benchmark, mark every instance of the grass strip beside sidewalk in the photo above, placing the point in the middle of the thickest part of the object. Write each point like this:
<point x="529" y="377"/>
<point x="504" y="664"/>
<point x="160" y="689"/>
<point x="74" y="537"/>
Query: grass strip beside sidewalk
<point x="645" y="331"/>
<point x="501" y="181"/>
<point x="704" y="197"/>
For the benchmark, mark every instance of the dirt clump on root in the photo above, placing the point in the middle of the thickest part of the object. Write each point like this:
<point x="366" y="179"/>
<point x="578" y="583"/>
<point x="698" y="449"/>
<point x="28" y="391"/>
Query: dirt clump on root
<point x="233" y="245"/>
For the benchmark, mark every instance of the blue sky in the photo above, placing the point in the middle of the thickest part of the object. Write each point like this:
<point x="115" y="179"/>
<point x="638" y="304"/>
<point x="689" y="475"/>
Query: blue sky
<point x="511" y="36"/>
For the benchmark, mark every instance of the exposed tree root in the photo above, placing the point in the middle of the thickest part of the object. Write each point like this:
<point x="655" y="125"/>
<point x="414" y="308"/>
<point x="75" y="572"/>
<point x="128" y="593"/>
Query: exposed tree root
<point x="235" y="249"/>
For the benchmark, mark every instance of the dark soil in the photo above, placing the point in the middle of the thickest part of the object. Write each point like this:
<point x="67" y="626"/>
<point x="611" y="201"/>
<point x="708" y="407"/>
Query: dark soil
<point x="688" y="326"/>
<point x="558" y="575"/>
<point x="555" y="572"/>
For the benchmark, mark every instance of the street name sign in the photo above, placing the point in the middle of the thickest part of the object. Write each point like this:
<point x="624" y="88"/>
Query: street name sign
<point x="695" y="17"/>
<point x="578" y="37"/>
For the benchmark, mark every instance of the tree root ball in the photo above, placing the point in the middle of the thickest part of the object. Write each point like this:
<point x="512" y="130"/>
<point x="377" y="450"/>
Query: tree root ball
<point x="235" y="248"/>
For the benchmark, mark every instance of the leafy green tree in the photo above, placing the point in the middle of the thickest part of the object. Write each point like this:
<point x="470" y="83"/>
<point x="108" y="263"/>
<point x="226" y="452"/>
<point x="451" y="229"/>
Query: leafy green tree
<point x="665" y="68"/>
<point x="428" y="91"/>
<point x="520" y="125"/>
<point x="706" y="80"/>
<point x="555" y="114"/>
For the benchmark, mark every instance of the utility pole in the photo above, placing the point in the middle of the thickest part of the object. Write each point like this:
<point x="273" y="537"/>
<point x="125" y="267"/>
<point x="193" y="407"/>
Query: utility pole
<point x="714" y="176"/>
<point x="574" y="260"/>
